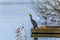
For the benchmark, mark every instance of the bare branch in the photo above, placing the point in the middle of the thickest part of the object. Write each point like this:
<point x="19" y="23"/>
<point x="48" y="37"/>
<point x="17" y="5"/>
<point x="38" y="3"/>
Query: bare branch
<point x="49" y="9"/>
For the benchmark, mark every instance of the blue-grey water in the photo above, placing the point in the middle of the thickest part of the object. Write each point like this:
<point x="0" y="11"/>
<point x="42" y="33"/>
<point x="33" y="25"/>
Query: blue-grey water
<point x="12" y="16"/>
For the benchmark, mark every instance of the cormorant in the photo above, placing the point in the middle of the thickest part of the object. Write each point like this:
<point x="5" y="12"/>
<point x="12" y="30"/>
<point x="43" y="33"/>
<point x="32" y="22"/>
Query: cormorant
<point x="33" y="22"/>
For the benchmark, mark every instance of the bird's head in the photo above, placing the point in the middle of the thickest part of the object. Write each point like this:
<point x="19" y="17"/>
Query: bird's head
<point x="30" y="15"/>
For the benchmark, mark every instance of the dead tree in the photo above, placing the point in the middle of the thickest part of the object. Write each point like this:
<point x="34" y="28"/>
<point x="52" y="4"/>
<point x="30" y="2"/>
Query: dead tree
<point x="49" y="9"/>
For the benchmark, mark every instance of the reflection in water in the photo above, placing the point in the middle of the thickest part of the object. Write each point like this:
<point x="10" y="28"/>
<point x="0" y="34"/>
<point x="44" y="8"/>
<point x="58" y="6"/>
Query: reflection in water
<point x="42" y="38"/>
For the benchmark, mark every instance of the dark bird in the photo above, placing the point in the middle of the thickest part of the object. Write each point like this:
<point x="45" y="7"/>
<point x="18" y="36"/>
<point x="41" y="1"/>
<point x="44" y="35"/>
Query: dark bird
<point x="33" y="22"/>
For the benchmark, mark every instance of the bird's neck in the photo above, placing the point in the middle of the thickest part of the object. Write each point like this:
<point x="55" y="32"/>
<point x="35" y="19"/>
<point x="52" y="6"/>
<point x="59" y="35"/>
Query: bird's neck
<point x="30" y="17"/>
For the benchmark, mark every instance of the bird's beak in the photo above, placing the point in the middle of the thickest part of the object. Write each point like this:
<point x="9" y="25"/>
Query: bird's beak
<point x="28" y="14"/>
